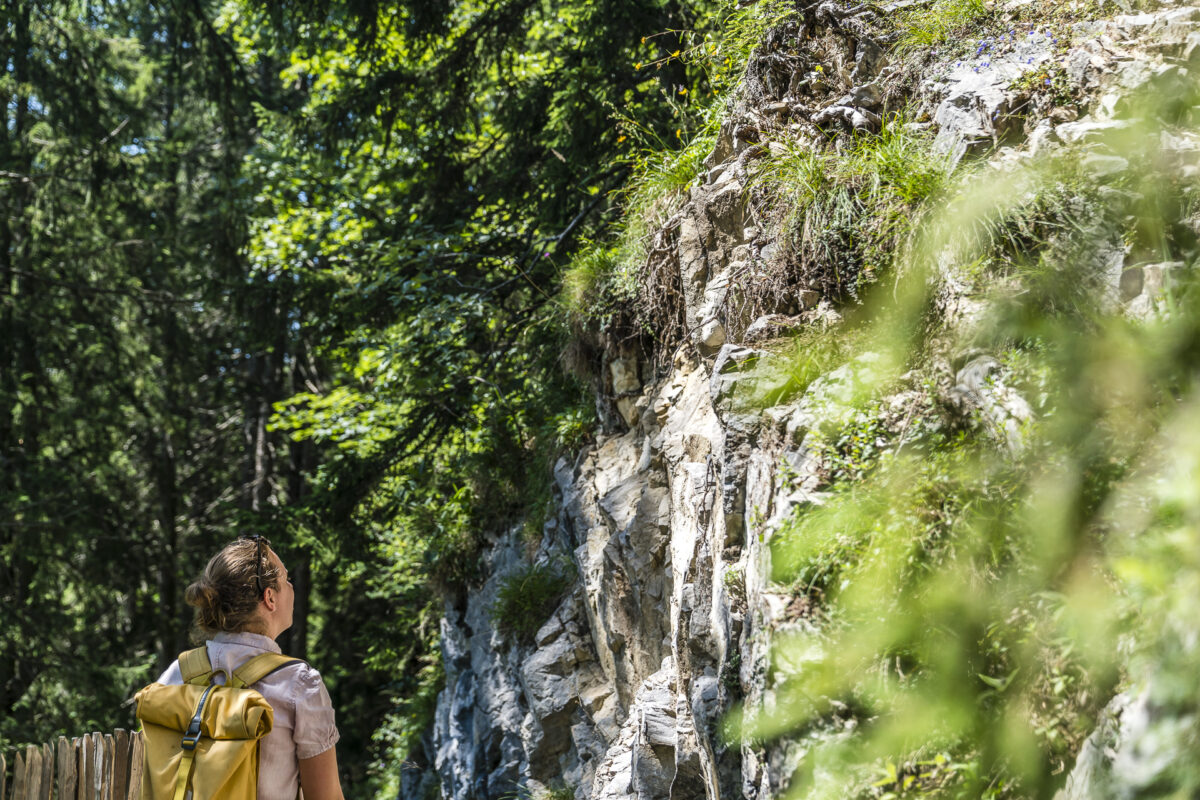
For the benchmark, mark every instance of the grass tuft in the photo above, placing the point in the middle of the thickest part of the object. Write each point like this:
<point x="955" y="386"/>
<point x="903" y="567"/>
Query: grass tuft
<point x="526" y="599"/>
<point x="942" y="21"/>
<point x="844" y="216"/>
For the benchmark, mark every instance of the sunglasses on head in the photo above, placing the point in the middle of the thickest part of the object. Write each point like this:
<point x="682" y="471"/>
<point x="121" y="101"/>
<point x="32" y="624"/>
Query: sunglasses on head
<point x="259" y="540"/>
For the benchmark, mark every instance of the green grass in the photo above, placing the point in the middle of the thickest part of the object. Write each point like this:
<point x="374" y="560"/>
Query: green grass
<point x="603" y="277"/>
<point x="845" y="216"/>
<point x="597" y="282"/>
<point x="935" y="24"/>
<point x="740" y="32"/>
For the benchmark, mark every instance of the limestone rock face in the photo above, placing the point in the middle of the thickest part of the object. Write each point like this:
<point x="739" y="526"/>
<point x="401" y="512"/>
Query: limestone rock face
<point x="624" y="687"/>
<point x="666" y="523"/>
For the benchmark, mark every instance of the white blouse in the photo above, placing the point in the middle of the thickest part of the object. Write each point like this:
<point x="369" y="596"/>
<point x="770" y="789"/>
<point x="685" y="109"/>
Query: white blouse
<point x="304" y="725"/>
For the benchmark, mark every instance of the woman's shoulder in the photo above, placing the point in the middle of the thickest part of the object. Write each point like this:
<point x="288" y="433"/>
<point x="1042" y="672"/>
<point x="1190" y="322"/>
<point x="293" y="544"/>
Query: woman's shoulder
<point x="303" y="672"/>
<point x="305" y="681"/>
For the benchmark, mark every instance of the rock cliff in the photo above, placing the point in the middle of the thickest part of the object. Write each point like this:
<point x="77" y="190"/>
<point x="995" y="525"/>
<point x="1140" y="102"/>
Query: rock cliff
<point x="666" y="519"/>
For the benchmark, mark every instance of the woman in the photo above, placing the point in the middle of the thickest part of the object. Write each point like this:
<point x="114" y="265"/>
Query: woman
<point x="243" y="601"/>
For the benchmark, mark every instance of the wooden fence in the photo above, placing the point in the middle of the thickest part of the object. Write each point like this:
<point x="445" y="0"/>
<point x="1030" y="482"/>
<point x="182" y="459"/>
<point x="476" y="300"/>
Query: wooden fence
<point x="92" y="767"/>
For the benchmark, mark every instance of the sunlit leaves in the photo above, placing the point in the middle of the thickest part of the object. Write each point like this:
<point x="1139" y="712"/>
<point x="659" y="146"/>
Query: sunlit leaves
<point x="979" y="595"/>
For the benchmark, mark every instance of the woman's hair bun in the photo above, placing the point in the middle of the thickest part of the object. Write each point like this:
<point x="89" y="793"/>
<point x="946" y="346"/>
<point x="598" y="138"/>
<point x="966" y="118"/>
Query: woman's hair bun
<point x="201" y="594"/>
<point x="206" y="599"/>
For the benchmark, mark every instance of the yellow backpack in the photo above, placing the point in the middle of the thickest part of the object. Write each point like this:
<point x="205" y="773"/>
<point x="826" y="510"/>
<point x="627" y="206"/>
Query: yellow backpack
<point x="201" y="738"/>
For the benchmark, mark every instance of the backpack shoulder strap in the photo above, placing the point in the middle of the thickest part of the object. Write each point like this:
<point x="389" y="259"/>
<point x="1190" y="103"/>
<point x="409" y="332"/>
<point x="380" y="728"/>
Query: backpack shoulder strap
<point x="260" y="667"/>
<point x="195" y="666"/>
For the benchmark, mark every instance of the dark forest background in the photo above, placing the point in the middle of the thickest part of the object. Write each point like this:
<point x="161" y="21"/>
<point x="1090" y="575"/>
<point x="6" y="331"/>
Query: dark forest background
<point x="292" y="269"/>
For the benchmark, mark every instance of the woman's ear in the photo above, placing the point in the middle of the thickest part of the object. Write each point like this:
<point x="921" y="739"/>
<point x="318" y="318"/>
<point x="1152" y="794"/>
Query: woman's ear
<point x="269" y="598"/>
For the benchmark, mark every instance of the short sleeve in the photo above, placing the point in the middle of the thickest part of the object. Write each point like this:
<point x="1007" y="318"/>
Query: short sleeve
<point x="314" y="730"/>
<point x="171" y="676"/>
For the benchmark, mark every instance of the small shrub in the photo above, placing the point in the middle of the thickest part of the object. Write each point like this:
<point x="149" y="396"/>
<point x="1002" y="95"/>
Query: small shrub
<point x="556" y="791"/>
<point x="526" y="599"/>
<point x="735" y="583"/>
<point x="730" y="673"/>
<point x="573" y="427"/>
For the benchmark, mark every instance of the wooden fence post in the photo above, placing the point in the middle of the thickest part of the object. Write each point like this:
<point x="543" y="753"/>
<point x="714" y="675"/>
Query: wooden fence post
<point x="33" y="772"/>
<point x="110" y="765"/>
<point x="77" y="747"/>
<point x="95" y="766"/>
<point x="136" y="756"/>
<point x="47" y="773"/>
<point x="18" y="790"/>
<point x="98" y="749"/>
<point x="66" y="770"/>
<point x="120" y="779"/>
<point x="87" y="770"/>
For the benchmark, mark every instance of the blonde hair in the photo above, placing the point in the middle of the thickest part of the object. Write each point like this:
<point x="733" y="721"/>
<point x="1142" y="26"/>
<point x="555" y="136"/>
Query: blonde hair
<point x="226" y="595"/>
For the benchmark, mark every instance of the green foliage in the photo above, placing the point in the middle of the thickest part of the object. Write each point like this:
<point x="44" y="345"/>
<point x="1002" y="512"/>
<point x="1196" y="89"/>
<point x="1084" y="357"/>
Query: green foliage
<point x="572" y="428"/>
<point x="602" y="282"/>
<point x="428" y="233"/>
<point x="526" y="598"/>
<point x="725" y="51"/>
<point x="981" y="592"/>
<point x="292" y="270"/>
<point x="301" y="270"/>
<point x="413" y="702"/>
<point x="660" y="178"/>
<point x="734" y="582"/>
<point x="1050" y="82"/>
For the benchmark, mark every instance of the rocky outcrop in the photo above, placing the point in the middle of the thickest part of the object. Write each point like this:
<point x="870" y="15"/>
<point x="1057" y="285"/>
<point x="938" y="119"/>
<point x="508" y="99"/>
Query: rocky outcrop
<point x="623" y="692"/>
<point x="667" y="522"/>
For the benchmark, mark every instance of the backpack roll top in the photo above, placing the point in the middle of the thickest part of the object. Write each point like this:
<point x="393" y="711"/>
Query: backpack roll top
<point x="228" y="714"/>
<point x="201" y="738"/>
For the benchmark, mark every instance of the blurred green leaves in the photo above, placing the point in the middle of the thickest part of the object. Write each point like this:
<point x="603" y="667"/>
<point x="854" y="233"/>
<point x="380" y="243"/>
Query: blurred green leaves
<point x="976" y="599"/>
